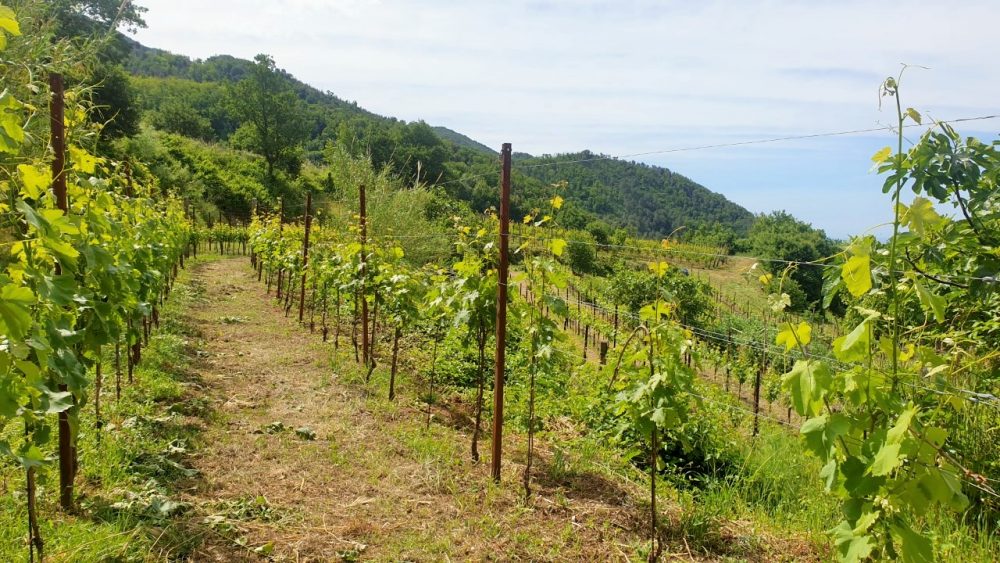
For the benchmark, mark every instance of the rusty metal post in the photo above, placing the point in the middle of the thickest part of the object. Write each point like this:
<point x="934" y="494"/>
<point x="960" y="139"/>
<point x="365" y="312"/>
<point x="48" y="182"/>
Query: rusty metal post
<point x="501" y="336"/>
<point x="614" y="337"/>
<point x="281" y="225"/>
<point x="305" y="256"/>
<point x="756" y="391"/>
<point x="58" y="141"/>
<point x="363" y="272"/>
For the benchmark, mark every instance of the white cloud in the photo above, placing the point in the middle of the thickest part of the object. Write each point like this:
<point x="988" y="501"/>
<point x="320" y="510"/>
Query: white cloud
<point x="616" y="77"/>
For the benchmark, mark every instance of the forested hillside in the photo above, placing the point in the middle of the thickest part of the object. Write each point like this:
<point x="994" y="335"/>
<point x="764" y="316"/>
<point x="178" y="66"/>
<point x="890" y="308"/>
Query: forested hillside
<point x="649" y="199"/>
<point x="189" y="97"/>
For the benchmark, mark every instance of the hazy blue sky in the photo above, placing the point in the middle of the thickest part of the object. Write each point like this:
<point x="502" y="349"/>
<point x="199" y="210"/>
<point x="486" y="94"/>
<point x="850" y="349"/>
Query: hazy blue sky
<point x="623" y="77"/>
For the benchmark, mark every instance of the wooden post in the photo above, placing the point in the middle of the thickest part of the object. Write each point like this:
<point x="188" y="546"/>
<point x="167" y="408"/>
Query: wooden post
<point x="305" y="256"/>
<point x="501" y="336"/>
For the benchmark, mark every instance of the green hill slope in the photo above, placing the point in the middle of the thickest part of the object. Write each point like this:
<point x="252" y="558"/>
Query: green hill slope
<point x="188" y="97"/>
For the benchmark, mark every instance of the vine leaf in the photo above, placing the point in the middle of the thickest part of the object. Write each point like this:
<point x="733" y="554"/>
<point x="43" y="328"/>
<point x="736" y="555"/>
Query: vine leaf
<point x="920" y="216"/>
<point x="854" y="345"/>
<point x="852" y="548"/>
<point x="886" y="460"/>
<point x="913" y="548"/>
<point x="11" y="132"/>
<point x="558" y="246"/>
<point x="14" y="303"/>
<point x="820" y="434"/>
<point x="794" y="336"/>
<point x="8" y="24"/>
<point x="35" y="181"/>
<point x="882" y="155"/>
<point x="930" y="301"/>
<point x="857" y="275"/>
<point x="896" y="434"/>
<point x="659" y="269"/>
<point x="808" y="383"/>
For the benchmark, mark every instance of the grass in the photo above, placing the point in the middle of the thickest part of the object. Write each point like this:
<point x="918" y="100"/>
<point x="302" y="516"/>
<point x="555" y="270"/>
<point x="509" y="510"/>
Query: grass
<point x="132" y="469"/>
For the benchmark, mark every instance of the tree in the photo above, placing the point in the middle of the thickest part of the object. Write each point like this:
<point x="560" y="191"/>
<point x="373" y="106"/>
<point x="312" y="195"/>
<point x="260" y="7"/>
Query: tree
<point x="75" y="18"/>
<point x="271" y="117"/>
<point x="112" y="95"/>
<point x="177" y="116"/>
<point x="114" y="100"/>
<point x="581" y="253"/>
<point x="779" y="236"/>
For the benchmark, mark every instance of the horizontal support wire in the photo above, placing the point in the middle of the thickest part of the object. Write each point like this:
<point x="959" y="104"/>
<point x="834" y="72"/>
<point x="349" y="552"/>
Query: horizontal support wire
<point x="974" y="397"/>
<point x="661" y="250"/>
<point x="888" y="128"/>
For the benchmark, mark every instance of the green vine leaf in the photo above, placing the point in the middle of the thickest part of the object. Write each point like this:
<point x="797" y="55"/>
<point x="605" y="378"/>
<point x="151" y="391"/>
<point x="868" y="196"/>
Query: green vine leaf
<point x="14" y="310"/>
<point x="854" y="345"/>
<point x="930" y="301"/>
<point x="852" y="548"/>
<point x="808" y="383"/>
<point x="886" y="460"/>
<point x="911" y="546"/>
<point x="11" y="132"/>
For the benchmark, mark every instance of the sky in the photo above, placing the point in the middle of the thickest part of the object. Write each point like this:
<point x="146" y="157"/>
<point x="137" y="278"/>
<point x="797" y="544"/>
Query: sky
<point x="625" y="77"/>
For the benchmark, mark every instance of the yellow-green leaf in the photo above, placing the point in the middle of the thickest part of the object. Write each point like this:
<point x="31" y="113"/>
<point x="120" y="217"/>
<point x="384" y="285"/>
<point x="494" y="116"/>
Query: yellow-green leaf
<point x="557" y="246"/>
<point x="854" y="345"/>
<point x="15" y="318"/>
<point x="791" y="337"/>
<point x="913" y="114"/>
<point x="921" y="216"/>
<point x="82" y="160"/>
<point x="557" y="202"/>
<point x="8" y="24"/>
<point x="882" y="155"/>
<point x="659" y="269"/>
<point x="35" y="181"/>
<point x="779" y="302"/>
<point x="857" y="275"/>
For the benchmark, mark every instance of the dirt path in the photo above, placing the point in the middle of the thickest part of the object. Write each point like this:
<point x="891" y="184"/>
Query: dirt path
<point x="363" y="479"/>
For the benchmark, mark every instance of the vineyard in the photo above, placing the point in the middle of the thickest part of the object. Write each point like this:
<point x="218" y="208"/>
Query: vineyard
<point x="374" y="371"/>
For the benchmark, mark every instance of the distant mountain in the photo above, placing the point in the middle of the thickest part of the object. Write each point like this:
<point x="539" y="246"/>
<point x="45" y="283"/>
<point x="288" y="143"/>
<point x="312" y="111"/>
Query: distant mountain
<point x="651" y="200"/>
